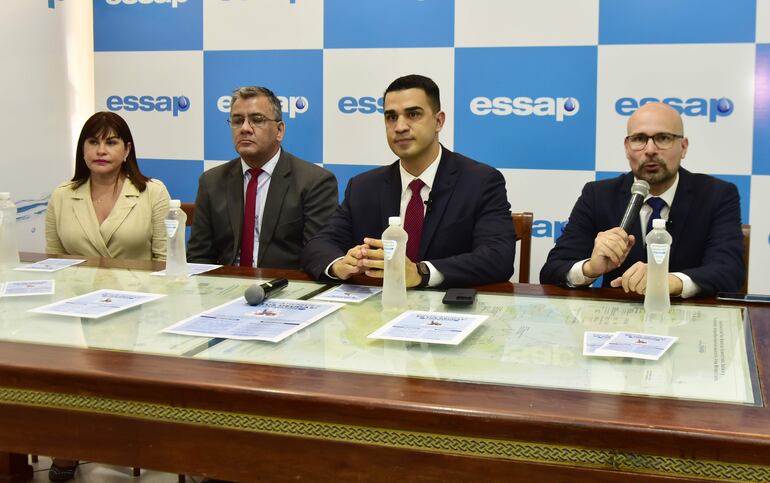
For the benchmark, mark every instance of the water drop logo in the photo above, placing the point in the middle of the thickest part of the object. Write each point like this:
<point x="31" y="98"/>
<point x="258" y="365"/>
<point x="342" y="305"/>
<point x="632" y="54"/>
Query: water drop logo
<point x="570" y="104"/>
<point x="725" y="106"/>
<point x="300" y="103"/>
<point x="183" y="102"/>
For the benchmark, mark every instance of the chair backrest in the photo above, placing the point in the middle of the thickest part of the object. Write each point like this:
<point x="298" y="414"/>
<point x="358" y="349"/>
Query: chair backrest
<point x="522" y="222"/>
<point x="189" y="209"/>
<point x="746" y="229"/>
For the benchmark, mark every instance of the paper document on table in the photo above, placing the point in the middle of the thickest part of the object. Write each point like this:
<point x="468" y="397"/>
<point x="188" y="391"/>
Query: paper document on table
<point x="594" y="340"/>
<point x="192" y="269"/>
<point x="97" y="304"/>
<point x="348" y="293"/>
<point x="273" y="320"/>
<point x="431" y="327"/>
<point x="27" y="287"/>
<point x="636" y="345"/>
<point x="49" y="265"/>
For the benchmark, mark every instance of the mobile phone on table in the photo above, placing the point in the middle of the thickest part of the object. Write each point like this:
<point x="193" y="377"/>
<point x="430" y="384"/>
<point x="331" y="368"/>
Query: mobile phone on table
<point x="460" y="296"/>
<point x="744" y="297"/>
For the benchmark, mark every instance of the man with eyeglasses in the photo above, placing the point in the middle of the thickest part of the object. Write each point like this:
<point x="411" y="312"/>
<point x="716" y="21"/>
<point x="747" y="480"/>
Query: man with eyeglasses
<point x="454" y="209"/>
<point x="702" y="212"/>
<point x="259" y="209"/>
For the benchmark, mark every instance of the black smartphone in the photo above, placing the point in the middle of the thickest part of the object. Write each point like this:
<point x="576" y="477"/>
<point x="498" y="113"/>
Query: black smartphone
<point x="744" y="297"/>
<point x="460" y="296"/>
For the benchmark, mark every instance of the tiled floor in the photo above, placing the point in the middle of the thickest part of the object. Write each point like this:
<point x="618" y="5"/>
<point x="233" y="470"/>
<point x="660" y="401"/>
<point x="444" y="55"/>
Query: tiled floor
<point x="100" y="473"/>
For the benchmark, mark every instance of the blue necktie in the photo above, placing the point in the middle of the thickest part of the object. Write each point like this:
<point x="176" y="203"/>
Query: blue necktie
<point x="657" y="205"/>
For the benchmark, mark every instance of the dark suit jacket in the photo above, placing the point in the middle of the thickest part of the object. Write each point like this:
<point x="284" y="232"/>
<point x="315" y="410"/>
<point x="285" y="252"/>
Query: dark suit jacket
<point x="704" y="222"/>
<point x="300" y="199"/>
<point x="467" y="235"/>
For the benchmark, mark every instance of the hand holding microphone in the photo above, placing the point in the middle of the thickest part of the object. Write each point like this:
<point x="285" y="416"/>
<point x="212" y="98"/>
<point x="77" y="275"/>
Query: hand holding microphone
<point x="611" y="247"/>
<point x="256" y="294"/>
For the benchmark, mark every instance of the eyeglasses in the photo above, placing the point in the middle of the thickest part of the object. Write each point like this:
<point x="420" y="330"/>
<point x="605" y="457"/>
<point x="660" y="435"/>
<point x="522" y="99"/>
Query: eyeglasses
<point x="663" y="140"/>
<point x="256" y="121"/>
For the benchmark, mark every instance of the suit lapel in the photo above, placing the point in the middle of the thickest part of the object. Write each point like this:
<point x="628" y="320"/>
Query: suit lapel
<point x="279" y="185"/>
<point x="84" y="213"/>
<point x="440" y="195"/>
<point x="125" y="203"/>
<point x="680" y="210"/>
<point x="234" y="193"/>
<point x="390" y="196"/>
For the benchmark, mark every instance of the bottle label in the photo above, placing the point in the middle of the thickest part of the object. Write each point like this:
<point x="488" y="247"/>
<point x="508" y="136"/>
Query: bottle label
<point x="659" y="251"/>
<point x="171" y="226"/>
<point x="389" y="248"/>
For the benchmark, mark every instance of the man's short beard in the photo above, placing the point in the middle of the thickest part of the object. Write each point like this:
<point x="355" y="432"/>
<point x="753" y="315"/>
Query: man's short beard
<point x="661" y="177"/>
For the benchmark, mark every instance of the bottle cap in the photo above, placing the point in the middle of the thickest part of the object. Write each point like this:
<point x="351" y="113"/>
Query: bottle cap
<point x="659" y="223"/>
<point x="174" y="204"/>
<point x="5" y="195"/>
<point x="394" y="220"/>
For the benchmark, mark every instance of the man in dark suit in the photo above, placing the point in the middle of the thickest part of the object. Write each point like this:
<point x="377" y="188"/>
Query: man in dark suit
<point x="287" y="199"/>
<point x="702" y="212"/>
<point x="454" y="208"/>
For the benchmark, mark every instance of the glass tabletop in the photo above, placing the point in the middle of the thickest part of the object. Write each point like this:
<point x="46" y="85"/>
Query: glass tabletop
<point x="136" y="329"/>
<point x="526" y="341"/>
<point x="532" y="341"/>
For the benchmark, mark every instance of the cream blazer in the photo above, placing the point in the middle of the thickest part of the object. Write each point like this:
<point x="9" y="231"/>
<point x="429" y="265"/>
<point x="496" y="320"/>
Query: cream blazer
<point x="134" y="228"/>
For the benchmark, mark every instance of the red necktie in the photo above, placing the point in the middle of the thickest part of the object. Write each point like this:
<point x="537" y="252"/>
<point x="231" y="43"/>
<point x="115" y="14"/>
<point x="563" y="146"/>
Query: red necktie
<point x="413" y="218"/>
<point x="249" y="218"/>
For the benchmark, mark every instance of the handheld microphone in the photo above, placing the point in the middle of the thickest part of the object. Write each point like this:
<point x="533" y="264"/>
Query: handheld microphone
<point x="639" y="191"/>
<point x="256" y="294"/>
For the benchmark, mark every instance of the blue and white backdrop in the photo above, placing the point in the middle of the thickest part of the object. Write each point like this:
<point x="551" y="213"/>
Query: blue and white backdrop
<point x="540" y="90"/>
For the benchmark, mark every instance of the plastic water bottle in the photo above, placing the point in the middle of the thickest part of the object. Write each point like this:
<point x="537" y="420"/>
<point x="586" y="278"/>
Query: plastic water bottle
<point x="9" y="245"/>
<point x="656" y="296"/>
<point x="176" y="257"/>
<point x="394" y="282"/>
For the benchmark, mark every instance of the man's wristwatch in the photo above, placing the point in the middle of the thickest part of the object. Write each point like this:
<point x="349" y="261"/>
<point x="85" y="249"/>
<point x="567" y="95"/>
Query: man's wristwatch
<point x="424" y="271"/>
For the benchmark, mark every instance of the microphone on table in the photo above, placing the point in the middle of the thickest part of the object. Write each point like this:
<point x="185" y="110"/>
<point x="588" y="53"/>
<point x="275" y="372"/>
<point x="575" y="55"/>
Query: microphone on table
<point x="256" y="294"/>
<point x="639" y="191"/>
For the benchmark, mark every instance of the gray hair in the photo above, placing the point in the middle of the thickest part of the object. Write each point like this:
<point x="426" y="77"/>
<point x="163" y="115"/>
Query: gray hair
<point x="256" y="91"/>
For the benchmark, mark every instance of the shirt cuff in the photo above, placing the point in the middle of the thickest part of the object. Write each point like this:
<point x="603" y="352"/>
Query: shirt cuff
<point x="436" y="277"/>
<point x="327" y="272"/>
<point x="575" y="277"/>
<point x="689" y="288"/>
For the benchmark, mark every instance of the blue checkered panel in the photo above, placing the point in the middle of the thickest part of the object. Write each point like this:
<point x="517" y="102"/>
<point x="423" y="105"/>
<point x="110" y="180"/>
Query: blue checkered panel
<point x="540" y="90"/>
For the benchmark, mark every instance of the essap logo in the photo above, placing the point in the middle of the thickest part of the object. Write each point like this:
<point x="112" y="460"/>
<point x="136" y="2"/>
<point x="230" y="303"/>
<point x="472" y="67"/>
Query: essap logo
<point x="713" y="108"/>
<point x="172" y="104"/>
<point x="174" y="3"/>
<point x="292" y="105"/>
<point x="547" y="228"/>
<point x="557" y="107"/>
<point x="363" y="105"/>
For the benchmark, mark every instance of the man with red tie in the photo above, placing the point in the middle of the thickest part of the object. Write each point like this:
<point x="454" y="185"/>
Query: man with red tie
<point x="455" y="209"/>
<point x="260" y="209"/>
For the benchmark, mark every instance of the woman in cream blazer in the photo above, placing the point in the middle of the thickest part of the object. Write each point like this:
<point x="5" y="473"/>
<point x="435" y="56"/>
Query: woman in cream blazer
<point x="133" y="230"/>
<point x="109" y="208"/>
